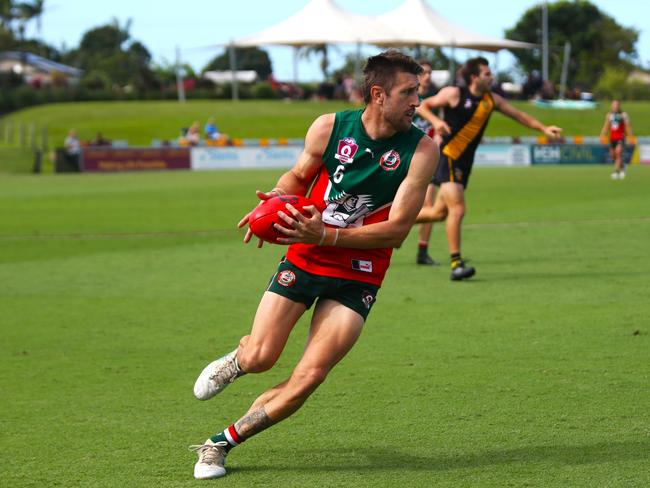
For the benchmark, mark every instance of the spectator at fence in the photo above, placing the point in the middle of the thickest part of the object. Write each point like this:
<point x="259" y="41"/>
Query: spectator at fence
<point x="72" y="144"/>
<point x="100" y="140"/>
<point x="193" y="135"/>
<point x="72" y="148"/>
<point x="212" y="132"/>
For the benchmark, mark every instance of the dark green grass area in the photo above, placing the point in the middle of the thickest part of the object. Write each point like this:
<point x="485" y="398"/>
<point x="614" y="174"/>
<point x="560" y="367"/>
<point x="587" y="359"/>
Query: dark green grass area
<point x="116" y="290"/>
<point x="141" y="122"/>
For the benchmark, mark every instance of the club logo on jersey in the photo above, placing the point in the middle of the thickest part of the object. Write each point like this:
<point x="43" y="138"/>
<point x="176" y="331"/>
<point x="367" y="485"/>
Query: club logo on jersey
<point x="344" y="210"/>
<point x="458" y="174"/>
<point x="367" y="298"/>
<point x="468" y="103"/>
<point x="389" y="160"/>
<point x="286" y="278"/>
<point x="346" y="150"/>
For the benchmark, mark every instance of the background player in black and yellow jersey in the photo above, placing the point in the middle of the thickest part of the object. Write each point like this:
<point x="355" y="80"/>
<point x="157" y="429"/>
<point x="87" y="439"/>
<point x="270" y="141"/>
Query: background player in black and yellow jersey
<point x="466" y="114"/>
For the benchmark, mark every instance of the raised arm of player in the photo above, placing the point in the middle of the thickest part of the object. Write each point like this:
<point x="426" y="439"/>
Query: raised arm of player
<point x="297" y="180"/>
<point x="447" y="97"/>
<point x="550" y="131"/>
<point x="390" y="233"/>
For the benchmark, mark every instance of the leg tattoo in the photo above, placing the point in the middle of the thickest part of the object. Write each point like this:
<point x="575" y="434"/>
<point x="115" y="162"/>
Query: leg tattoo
<point x="253" y="423"/>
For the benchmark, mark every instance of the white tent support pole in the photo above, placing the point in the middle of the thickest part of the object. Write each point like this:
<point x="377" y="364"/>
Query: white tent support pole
<point x="545" y="40"/>
<point x="452" y="65"/>
<point x="180" y="87"/>
<point x="296" y="56"/>
<point x="565" y="68"/>
<point x="357" y="65"/>
<point x="233" y="70"/>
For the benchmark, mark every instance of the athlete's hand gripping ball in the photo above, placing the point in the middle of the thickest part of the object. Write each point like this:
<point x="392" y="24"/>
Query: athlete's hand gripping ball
<point x="272" y="215"/>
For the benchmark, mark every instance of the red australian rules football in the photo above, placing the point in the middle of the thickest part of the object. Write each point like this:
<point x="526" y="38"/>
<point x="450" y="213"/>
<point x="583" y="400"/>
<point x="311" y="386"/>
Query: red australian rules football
<point x="263" y="217"/>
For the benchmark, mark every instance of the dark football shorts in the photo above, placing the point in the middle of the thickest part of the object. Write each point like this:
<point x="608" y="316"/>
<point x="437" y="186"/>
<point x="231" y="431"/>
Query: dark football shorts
<point x="300" y="286"/>
<point x="450" y="170"/>
<point x="619" y="142"/>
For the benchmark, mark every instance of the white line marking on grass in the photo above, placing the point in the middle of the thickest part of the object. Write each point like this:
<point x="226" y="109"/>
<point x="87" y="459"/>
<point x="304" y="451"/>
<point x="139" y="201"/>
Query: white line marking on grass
<point x="222" y="232"/>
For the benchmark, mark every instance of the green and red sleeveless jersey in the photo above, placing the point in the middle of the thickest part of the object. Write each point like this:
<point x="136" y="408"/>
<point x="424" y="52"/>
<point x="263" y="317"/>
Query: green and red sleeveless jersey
<point x="617" y="125"/>
<point x="356" y="187"/>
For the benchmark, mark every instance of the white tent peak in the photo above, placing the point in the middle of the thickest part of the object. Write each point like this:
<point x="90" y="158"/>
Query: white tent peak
<point x="319" y="22"/>
<point x="415" y="22"/>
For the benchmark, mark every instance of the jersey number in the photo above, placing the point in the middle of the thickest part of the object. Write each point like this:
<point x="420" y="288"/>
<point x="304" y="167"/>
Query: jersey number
<point x="338" y="174"/>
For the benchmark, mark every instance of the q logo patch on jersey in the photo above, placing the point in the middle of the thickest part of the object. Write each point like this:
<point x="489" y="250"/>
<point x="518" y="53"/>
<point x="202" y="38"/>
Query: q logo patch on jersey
<point x="346" y="150"/>
<point x="389" y="160"/>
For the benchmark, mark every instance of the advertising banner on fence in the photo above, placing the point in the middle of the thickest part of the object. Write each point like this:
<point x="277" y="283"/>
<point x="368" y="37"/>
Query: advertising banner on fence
<point x="575" y="154"/>
<point x="644" y="154"/>
<point x="134" y="159"/>
<point x="502" y="155"/>
<point x="244" y="157"/>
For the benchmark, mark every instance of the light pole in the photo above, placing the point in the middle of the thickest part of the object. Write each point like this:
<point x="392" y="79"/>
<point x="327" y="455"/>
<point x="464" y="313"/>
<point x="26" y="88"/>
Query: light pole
<point x="545" y="40"/>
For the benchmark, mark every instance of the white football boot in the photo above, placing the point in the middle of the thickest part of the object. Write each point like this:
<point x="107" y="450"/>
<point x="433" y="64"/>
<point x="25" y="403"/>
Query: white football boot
<point x="212" y="457"/>
<point x="216" y="376"/>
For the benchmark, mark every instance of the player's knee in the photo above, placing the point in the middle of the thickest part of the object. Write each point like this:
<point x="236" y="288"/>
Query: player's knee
<point x="457" y="211"/>
<point x="307" y="380"/>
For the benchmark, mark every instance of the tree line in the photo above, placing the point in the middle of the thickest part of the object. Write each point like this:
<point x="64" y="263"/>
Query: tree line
<point x="603" y="52"/>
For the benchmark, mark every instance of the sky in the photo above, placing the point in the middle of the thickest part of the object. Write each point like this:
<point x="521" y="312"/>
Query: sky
<point x="197" y="27"/>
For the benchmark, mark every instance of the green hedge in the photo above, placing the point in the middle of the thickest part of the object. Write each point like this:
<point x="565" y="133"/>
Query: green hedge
<point x="614" y="84"/>
<point x="12" y="99"/>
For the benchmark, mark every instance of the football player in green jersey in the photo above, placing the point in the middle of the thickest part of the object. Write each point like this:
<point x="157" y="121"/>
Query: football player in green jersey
<point x="338" y="254"/>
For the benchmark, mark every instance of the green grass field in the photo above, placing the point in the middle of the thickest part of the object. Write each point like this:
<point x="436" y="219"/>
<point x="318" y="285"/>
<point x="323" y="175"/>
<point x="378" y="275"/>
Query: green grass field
<point x="141" y="122"/>
<point x="117" y="289"/>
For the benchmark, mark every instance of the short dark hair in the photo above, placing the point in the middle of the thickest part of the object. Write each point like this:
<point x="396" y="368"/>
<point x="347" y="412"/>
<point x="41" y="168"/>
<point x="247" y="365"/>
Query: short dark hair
<point x="381" y="70"/>
<point x="424" y="61"/>
<point x="472" y="67"/>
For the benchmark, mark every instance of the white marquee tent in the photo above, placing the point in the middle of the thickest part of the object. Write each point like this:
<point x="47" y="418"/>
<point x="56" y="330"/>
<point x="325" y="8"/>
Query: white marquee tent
<point x="416" y="23"/>
<point x="413" y="23"/>
<point x="320" y="22"/>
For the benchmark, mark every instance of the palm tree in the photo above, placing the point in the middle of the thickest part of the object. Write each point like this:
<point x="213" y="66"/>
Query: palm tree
<point x="7" y="15"/>
<point x="322" y="49"/>
<point x="38" y="8"/>
<point x="28" y="11"/>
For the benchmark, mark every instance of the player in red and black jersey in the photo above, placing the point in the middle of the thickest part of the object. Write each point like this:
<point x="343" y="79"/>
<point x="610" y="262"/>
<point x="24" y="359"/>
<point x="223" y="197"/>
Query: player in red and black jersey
<point x="466" y="114"/>
<point x="618" y="127"/>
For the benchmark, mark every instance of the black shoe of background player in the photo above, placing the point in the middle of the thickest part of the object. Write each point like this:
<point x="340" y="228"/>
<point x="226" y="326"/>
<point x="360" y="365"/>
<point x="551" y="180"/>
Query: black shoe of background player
<point x="426" y="260"/>
<point x="461" y="272"/>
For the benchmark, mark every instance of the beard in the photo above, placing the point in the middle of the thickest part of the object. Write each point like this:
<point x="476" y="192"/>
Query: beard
<point x="399" y="121"/>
